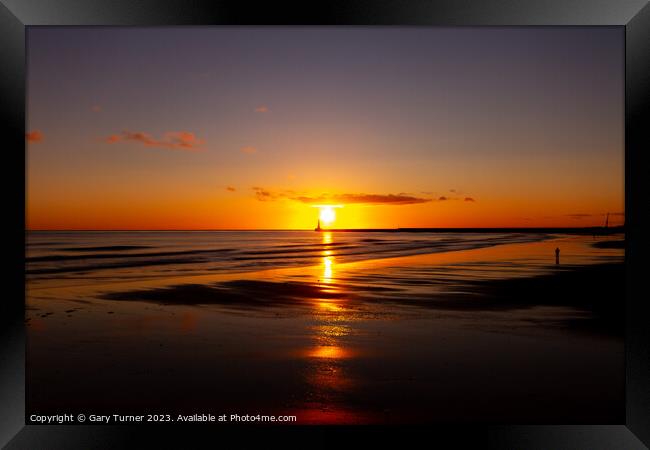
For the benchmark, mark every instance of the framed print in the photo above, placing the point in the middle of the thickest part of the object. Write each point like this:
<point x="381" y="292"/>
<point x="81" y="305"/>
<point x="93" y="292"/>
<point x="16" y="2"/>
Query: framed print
<point x="308" y="223"/>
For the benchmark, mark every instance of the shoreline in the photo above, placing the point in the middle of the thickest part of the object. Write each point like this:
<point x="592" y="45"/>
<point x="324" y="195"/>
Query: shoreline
<point x="599" y="231"/>
<point x="311" y="251"/>
<point x="563" y="230"/>
<point x="493" y="254"/>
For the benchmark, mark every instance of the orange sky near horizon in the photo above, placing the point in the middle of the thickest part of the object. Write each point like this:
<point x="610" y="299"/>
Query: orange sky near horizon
<point x="243" y="211"/>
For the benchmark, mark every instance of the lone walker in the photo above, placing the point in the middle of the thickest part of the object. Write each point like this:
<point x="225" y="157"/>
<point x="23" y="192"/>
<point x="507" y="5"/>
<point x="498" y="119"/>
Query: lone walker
<point x="557" y="255"/>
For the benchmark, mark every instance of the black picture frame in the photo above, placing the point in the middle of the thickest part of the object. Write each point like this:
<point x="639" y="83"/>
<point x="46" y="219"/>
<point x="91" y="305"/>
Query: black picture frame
<point x="633" y="15"/>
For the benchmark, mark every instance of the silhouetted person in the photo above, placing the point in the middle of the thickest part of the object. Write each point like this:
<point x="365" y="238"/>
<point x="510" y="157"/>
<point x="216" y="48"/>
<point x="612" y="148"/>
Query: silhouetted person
<point x="557" y="255"/>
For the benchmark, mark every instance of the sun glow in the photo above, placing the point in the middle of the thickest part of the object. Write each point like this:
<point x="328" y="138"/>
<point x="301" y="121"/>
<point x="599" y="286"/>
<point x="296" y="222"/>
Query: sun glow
<point x="327" y="215"/>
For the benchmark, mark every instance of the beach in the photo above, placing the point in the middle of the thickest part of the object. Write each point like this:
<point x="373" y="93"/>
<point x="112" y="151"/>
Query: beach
<point x="335" y="328"/>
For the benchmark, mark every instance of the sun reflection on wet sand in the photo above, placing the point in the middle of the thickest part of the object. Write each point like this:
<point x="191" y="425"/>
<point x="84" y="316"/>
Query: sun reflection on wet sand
<point x="327" y="269"/>
<point x="328" y="305"/>
<point x="329" y="357"/>
<point x="328" y="259"/>
<point x="327" y="237"/>
<point x="329" y="352"/>
<point x="327" y="255"/>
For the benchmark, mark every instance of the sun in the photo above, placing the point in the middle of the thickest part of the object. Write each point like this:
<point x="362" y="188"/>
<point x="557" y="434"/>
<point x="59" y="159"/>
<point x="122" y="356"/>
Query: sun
<point x="327" y="215"/>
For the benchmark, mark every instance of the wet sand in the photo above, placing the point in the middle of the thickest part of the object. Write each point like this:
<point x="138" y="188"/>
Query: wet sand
<point x="495" y="335"/>
<point x="588" y="288"/>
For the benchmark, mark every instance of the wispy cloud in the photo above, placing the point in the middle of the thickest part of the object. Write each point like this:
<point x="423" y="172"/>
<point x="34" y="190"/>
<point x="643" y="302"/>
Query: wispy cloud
<point x="368" y="199"/>
<point x="34" y="137"/>
<point x="230" y="189"/>
<point x="458" y="196"/>
<point x="265" y="195"/>
<point x="262" y="109"/>
<point x="248" y="150"/>
<point x="176" y="140"/>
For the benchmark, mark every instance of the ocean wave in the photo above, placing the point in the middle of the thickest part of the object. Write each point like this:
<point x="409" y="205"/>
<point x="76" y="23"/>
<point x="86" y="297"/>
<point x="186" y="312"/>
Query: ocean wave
<point x="241" y="251"/>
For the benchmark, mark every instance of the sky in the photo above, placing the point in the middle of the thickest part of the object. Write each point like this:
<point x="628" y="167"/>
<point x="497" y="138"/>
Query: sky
<point x="258" y="127"/>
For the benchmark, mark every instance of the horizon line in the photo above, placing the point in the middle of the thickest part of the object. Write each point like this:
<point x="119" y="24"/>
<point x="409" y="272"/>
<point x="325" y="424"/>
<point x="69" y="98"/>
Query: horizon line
<point x="324" y="230"/>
